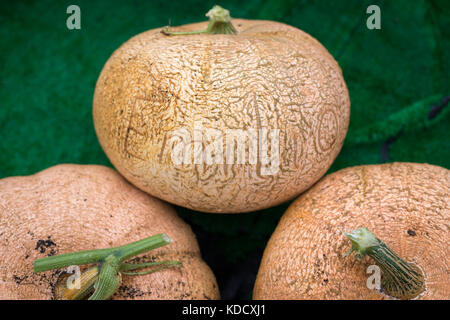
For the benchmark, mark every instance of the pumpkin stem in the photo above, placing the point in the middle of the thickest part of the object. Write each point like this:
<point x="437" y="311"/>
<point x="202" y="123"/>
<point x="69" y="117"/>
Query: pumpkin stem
<point x="400" y="279"/>
<point x="219" y="23"/>
<point x="104" y="278"/>
<point x="125" y="267"/>
<point x="163" y="265"/>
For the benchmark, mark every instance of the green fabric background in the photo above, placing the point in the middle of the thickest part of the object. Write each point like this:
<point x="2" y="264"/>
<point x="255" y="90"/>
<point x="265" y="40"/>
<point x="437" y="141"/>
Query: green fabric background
<point x="395" y="76"/>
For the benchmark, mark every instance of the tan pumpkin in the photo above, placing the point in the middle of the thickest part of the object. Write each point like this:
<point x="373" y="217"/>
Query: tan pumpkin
<point x="405" y="205"/>
<point x="69" y="208"/>
<point x="270" y="84"/>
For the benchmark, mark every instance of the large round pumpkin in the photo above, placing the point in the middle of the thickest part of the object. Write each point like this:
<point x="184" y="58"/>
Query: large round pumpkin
<point x="406" y="205"/>
<point x="70" y="208"/>
<point x="271" y="85"/>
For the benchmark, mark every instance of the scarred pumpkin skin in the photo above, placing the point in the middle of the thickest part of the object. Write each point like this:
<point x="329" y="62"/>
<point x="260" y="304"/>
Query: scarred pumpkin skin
<point x="404" y="204"/>
<point x="69" y="208"/>
<point x="267" y="76"/>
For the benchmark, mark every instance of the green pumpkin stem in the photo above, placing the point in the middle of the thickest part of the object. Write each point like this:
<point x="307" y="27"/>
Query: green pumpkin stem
<point x="105" y="278"/>
<point x="400" y="279"/>
<point x="219" y="23"/>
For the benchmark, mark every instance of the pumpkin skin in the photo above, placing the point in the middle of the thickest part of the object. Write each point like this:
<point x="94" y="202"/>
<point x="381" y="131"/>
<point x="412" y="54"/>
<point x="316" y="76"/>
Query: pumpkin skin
<point x="267" y="76"/>
<point x="404" y="204"/>
<point x="69" y="208"/>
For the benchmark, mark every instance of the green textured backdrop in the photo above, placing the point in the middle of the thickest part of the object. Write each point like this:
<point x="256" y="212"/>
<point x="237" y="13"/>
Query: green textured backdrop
<point x="398" y="78"/>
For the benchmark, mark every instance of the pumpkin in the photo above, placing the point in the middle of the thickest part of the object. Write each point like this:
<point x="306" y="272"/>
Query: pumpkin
<point x="239" y="116"/>
<point x="396" y="217"/>
<point x="70" y="208"/>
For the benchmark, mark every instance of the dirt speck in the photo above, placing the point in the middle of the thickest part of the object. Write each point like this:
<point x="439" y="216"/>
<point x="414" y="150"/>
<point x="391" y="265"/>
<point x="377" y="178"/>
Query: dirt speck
<point x="46" y="246"/>
<point x="18" y="279"/>
<point x="129" y="292"/>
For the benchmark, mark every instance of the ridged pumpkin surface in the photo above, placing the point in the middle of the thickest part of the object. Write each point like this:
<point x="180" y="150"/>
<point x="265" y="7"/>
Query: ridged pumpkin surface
<point x="406" y="205"/>
<point x="267" y="76"/>
<point x="70" y="208"/>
